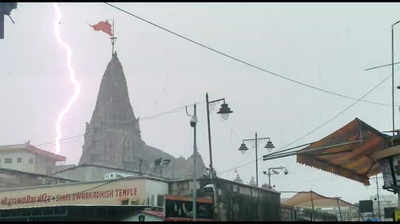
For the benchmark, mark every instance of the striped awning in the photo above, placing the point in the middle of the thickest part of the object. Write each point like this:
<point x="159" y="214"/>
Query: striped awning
<point x="347" y="152"/>
<point x="311" y="199"/>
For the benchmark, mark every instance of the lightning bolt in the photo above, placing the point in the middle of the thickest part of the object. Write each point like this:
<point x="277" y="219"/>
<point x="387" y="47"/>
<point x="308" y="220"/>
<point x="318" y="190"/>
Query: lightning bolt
<point x="71" y="75"/>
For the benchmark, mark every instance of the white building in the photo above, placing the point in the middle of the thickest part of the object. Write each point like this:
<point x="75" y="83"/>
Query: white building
<point x="385" y="201"/>
<point x="28" y="158"/>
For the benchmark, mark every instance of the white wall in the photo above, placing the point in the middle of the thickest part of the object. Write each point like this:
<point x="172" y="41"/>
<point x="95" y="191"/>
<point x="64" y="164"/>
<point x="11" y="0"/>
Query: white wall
<point x="40" y="164"/>
<point x="155" y="188"/>
<point x="24" y="165"/>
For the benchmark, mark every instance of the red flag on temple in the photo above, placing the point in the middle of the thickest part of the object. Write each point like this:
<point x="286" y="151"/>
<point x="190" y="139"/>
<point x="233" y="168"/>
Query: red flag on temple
<point x="104" y="26"/>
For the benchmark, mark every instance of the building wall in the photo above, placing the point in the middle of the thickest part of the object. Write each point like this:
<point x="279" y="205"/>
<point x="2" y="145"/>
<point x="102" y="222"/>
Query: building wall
<point x="385" y="202"/>
<point x="88" y="173"/>
<point x="26" y="161"/>
<point x="43" y="165"/>
<point x="11" y="179"/>
<point x="156" y="192"/>
<point x="25" y="164"/>
<point x="236" y="202"/>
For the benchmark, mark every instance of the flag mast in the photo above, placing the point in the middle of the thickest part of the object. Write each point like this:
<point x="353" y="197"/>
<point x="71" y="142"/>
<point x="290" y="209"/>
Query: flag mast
<point x="113" y="38"/>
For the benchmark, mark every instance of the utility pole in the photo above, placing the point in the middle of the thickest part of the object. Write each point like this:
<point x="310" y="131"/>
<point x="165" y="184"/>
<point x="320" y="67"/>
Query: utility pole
<point x="256" y="160"/>
<point x="193" y="123"/>
<point x="377" y="195"/>
<point x="398" y="195"/>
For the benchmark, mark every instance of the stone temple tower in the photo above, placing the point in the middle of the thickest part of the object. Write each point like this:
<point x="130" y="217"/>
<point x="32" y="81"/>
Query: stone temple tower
<point x="112" y="138"/>
<point x="113" y="134"/>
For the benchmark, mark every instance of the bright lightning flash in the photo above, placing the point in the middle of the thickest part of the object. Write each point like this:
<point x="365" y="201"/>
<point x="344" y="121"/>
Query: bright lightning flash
<point x="71" y="75"/>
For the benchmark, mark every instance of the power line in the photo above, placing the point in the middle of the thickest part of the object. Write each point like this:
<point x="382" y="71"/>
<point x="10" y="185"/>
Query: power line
<point x="318" y="127"/>
<point x="175" y="110"/>
<point x="245" y="62"/>
<point x="151" y="117"/>
<point x="381" y="66"/>
<point x="341" y="112"/>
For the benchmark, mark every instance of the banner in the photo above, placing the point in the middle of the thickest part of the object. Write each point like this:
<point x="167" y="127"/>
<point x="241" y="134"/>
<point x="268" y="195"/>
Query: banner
<point x="98" y="193"/>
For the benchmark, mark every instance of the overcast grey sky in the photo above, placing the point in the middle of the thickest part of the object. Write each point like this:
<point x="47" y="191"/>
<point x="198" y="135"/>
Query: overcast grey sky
<point x="324" y="44"/>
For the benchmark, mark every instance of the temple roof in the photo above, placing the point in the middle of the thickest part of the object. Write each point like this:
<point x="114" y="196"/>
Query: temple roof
<point x="113" y="98"/>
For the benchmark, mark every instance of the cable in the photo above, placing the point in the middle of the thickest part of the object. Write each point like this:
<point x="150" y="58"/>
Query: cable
<point x="318" y="127"/>
<point x="245" y="62"/>
<point x="341" y="112"/>
<point x="175" y="110"/>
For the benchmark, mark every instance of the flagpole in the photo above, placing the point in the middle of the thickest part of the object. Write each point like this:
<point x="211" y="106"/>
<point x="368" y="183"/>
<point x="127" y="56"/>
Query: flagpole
<point x="113" y="38"/>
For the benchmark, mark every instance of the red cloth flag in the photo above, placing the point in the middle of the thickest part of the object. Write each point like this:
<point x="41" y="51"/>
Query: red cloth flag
<point x="104" y="26"/>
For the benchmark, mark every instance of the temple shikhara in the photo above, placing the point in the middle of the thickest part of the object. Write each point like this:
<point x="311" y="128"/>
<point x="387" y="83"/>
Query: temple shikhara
<point x="112" y="137"/>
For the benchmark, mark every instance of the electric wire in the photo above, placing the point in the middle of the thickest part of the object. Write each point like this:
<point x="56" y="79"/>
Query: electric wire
<point x="316" y="128"/>
<point x="151" y="117"/>
<point x="245" y="62"/>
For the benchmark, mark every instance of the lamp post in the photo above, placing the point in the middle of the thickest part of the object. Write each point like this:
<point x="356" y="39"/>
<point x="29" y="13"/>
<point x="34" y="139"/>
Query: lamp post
<point x="243" y="148"/>
<point x="224" y="111"/>
<point x="193" y="122"/>
<point x="394" y="24"/>
<point x="275" y="170"/>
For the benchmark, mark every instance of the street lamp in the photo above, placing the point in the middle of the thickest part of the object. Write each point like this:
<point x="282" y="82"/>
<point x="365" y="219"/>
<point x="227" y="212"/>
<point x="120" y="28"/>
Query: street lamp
<point x="275" y="170"/>
<point x="394" y="24"/>
<point x="243" y="148"/>
<point x="224" y="111"/>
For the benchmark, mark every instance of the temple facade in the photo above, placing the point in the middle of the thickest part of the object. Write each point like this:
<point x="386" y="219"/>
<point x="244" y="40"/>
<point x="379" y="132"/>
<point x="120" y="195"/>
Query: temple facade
<point x="112" y="137"/>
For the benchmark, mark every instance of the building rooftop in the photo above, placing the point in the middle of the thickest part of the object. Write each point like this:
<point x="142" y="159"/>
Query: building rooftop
<point x="30" y="148"/>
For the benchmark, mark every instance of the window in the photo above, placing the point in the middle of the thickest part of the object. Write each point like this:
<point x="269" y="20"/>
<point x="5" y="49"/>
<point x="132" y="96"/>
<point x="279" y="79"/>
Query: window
<point x="7" y="160"/>
<point x="19" y="160"/>
<point x="160" y="200"/>
<point x="30" y="160"/>
<point x="152" y="200"/>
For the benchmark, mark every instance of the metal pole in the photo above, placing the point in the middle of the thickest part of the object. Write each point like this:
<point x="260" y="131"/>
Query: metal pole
<point x="215" y="195"/>
<point x="256" y="177"/>
<point x="256" y="162"/>
<point x="393" y="80"/>
<point x="312" y="204"/>
<point x="209" y="136"/>
<point x="112" y="38"/>
<point x="340" y="212"/>
<point x="398" y="195"/>
<point x="377" y="195"/>
<point x="194" y="167"/>
<point x="269" y="177"/>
